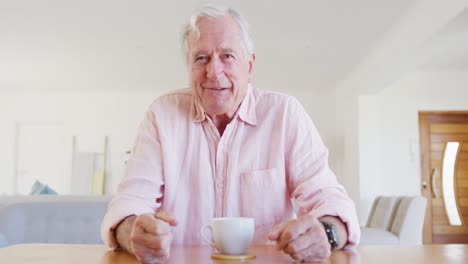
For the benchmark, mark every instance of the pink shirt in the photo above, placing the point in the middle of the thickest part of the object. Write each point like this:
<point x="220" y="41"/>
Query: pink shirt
<point x="269" y="153"/>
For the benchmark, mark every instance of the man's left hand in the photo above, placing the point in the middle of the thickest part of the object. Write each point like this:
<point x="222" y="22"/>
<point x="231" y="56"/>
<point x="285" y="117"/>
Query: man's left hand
<point x="303" y="239"/>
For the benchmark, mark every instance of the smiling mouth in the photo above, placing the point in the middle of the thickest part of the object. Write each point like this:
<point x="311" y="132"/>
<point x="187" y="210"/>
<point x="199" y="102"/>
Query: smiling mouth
<point x="216" y="89"/>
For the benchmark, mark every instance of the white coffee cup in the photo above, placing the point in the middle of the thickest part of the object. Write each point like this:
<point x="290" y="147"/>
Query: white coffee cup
<point x="231" y="235"/>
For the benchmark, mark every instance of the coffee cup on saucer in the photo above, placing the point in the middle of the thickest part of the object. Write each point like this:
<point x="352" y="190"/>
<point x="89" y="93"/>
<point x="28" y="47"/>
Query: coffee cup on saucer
<point x="230" y="235"/>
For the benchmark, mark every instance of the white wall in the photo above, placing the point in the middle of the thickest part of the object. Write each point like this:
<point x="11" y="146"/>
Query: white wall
<point x="89" y="115"/>
<point x="346" y="137"/>
<point x="389" y="132"/>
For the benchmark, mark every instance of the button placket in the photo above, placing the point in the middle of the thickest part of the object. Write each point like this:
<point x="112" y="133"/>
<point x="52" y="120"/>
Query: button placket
<point x="220" y="177"/>
<point x="223" y="157"/>
<point x="213" y="134"/>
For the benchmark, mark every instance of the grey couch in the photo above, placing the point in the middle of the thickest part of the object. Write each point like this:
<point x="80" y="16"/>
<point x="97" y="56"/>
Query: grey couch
<point x="395" y="220"/>
<point x="51" y="219"/>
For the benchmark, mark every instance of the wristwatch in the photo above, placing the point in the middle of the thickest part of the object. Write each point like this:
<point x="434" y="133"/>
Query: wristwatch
<point x="332" y="235"/>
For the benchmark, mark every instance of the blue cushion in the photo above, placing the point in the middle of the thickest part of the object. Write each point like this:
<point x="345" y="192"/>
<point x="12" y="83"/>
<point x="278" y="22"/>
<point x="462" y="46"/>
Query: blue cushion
<point x="40" y="188"/>
<point x="3" y="241"/>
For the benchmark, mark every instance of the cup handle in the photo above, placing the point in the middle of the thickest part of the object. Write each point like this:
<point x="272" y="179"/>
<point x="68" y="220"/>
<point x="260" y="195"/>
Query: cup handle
<point x="203" y="232"/>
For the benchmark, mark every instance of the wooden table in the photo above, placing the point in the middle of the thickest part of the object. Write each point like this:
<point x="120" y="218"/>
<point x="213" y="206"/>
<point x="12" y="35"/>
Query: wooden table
<point x="90" y="254"/>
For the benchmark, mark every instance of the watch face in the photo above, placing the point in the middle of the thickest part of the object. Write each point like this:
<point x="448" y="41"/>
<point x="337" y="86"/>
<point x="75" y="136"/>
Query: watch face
<point x="331" y="235"/>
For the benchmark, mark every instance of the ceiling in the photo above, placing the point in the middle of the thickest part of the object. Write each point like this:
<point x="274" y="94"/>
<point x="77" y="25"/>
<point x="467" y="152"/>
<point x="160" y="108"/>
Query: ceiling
<point x="134" y="45"/>
<point x="448" y="49"/>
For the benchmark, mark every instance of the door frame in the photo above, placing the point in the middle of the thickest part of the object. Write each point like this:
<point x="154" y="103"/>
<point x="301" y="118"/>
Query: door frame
<point x="425" y="119"/>
<point x="18" y="126"/>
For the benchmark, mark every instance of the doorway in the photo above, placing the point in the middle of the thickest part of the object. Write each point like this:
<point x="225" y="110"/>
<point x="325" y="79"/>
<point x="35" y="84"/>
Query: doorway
<point x="41" y="155"/>
<point x="444" y="175"/>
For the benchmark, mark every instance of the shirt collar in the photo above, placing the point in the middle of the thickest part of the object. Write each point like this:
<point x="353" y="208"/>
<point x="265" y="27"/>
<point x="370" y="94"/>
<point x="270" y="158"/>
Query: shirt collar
<point x="198" y="114"/>
<point x="247" y="110"/>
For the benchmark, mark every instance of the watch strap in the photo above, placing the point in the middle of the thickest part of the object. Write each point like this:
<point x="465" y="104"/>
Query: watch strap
<point x="331" y="234"/>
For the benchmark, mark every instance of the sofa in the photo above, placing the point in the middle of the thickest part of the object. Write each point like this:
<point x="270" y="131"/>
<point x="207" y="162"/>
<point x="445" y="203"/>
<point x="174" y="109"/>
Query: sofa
<point x="395" y="220"/>
<point x="51" y="219"/>
<point x="77" y="219"/>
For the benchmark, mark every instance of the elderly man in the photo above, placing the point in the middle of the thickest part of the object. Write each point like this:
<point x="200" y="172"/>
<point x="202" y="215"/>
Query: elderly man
<point x="225" y="148"/>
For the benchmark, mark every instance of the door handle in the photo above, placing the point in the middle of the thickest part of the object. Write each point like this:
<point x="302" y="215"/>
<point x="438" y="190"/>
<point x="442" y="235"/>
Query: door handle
<point x="424" y="185"/>
<point x="435" y="191"/>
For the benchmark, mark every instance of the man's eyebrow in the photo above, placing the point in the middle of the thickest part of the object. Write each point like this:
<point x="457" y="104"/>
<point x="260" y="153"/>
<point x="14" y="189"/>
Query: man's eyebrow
<point x="227" y="50"/>
<point x="197" y="53"/>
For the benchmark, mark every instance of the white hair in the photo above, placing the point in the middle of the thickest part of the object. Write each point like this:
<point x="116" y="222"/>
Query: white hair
<point x="217" y="11"/>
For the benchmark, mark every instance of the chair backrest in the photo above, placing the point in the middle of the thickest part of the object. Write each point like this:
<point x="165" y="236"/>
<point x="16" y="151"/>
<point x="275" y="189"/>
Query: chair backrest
<point x="55" y="219"/>
<point x="383" y="211"/>
<point x="409" y="220"/>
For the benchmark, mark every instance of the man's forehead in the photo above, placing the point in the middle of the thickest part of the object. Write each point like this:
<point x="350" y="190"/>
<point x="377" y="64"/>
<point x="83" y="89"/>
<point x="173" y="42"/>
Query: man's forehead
<point x="215" y="30"/>
<point x="222" y="23"/>
<point x="220" y="33"/>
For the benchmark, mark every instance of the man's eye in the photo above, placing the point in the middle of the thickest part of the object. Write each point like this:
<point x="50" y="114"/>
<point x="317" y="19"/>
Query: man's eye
<point x="228" y="56"/>
<point x="201" y="58"/>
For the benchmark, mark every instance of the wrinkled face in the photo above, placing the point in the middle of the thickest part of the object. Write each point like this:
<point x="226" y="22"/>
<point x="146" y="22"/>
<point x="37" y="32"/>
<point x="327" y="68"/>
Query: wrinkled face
<point x="218" y="67"/>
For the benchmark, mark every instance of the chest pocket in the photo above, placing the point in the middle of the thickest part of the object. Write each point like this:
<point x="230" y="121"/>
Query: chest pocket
<point x="264" y="196"/>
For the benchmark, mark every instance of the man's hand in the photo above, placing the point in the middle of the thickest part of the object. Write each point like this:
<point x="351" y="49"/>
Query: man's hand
<point x="147" y="236"/>
<point x="304" y="238"/>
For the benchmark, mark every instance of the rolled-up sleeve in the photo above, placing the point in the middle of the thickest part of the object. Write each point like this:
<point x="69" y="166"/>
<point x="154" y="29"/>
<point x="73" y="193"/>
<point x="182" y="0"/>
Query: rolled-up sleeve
<point x="310" y="179"/>
<point x="142" y="184"/>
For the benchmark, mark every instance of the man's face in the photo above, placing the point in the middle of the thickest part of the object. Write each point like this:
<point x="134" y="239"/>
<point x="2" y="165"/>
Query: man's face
<point x="219" y="69"/>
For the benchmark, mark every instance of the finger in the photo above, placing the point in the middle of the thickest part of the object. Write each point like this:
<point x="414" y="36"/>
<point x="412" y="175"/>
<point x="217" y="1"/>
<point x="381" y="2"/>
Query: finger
<point x="148" y="255"/>
<point x="165" y="216"/>
<point x="144" y="223"/>
<point x="317" y="252"/>
<point x="276" y="232"/>
<point x="150" y="247"/>
<point x="153" y="241"/>
<point x="148" y="223"/>
<point x="145" y="252"/>
<point x="150" y="259"/>
<point x="295" y="229"/>
<point x="162" y="227"/>
<point x="310" y="238"/>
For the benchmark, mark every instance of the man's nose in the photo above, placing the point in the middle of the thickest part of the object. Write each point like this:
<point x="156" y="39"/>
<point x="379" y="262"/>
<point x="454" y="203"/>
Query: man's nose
<point x="214" y="69"/>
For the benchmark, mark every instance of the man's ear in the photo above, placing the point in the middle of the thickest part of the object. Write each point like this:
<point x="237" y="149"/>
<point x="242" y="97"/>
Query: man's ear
<point x="251" y="67"/>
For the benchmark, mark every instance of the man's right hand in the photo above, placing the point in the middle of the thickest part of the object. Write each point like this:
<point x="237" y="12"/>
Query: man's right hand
<point x="147" y="236"/>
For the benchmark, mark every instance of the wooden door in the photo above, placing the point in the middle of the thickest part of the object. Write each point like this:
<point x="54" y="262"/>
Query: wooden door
<point x="444" y="169"/>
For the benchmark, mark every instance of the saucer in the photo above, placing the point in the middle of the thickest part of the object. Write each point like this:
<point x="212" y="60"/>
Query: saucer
<point x="233" y="257"/>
